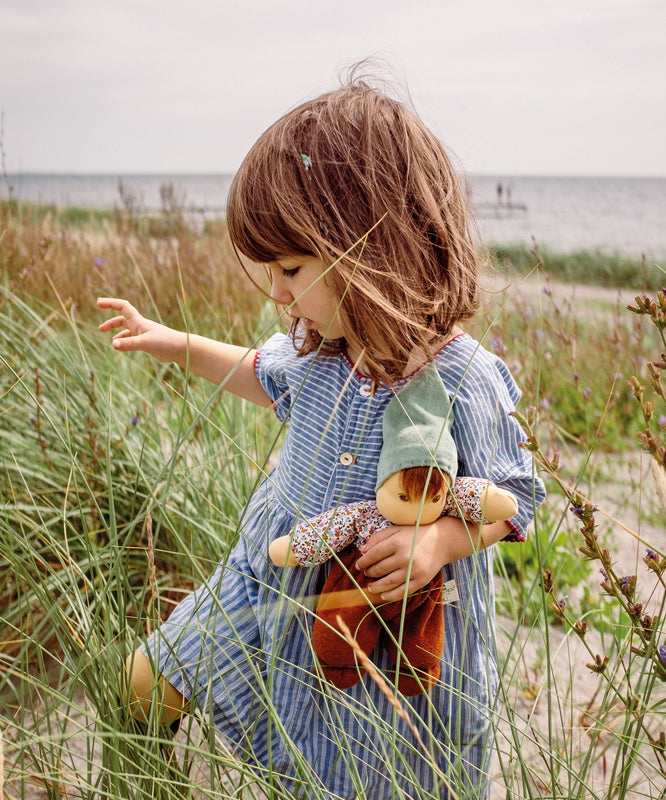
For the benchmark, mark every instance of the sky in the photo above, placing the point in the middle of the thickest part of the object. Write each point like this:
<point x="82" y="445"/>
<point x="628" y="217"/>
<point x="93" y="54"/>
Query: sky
<point x="513" y="87"/>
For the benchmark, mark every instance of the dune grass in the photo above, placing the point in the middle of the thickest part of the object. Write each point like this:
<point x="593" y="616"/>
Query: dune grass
<point x="592" y="266"/>
<point x="122" y="482"/>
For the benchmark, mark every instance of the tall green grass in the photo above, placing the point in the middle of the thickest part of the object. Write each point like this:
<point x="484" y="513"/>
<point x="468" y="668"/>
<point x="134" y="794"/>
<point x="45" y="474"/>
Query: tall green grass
<point x="122" y="482"/>
<point x="595" y="266"/>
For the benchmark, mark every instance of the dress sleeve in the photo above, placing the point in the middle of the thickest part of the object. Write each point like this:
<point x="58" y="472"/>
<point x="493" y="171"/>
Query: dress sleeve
<point x="271" y="366"/>
<point x="489" y="437"/>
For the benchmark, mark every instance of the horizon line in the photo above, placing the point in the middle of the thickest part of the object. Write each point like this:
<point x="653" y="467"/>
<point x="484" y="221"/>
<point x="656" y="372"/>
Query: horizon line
<point x="221" y="173"/>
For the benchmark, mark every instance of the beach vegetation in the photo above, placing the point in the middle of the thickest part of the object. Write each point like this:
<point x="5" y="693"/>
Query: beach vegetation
<point x="594" y="266"/>
<point x="122" y="483"/>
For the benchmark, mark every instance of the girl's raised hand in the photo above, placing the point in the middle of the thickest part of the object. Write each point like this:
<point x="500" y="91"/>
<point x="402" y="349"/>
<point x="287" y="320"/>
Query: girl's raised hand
<point x="137" y="332"/>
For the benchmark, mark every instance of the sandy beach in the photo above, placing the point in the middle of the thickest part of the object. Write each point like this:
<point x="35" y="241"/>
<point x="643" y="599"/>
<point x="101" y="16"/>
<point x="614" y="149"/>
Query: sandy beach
<point x="552" y="672"/>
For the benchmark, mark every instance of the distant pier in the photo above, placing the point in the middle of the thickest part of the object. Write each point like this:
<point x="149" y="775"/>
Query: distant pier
<point x="499" y="210"/>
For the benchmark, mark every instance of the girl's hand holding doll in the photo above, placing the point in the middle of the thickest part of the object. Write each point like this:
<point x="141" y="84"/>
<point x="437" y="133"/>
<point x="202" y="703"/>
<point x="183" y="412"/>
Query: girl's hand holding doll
<point x="392" y="555"/>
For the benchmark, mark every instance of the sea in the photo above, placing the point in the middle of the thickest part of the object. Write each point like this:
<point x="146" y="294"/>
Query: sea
<point x="620" y="215"/>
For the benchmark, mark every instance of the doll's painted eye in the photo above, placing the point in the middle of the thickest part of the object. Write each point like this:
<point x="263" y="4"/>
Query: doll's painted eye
<point x="437" y="498"/>
<point x="403" y="498"/>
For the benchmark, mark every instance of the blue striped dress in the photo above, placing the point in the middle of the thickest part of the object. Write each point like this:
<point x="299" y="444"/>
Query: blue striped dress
<point x="240" y="644"/>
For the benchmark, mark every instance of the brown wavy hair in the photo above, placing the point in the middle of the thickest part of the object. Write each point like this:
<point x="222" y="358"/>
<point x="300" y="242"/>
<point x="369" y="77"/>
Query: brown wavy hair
<point x="355" y="178"/>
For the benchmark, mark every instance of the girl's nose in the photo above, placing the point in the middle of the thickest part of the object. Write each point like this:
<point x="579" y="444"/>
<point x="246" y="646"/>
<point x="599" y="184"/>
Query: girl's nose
<point x="280" y="294"/>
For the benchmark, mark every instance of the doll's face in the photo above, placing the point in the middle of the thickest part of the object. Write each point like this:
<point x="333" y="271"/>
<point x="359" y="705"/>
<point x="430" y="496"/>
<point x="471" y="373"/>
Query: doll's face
<point x="397" y="507"/>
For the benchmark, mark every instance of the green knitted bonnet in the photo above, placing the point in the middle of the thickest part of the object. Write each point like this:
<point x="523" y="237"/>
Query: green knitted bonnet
<point x="417" y="427"/>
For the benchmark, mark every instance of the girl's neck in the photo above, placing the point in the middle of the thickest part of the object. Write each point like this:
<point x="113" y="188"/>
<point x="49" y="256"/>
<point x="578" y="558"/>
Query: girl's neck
<point x="416" y="359"/>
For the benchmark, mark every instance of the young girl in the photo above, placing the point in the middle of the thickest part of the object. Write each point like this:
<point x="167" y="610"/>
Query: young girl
<point x="353" y="205"/>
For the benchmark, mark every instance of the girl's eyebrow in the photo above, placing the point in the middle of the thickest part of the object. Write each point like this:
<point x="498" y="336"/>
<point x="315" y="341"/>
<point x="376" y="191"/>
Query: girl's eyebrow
<point x="289" y="262"/>
<point x="281" y="259"/>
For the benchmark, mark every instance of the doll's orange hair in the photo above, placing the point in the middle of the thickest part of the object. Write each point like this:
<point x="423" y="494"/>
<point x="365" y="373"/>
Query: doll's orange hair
<point x="413" y="482"/>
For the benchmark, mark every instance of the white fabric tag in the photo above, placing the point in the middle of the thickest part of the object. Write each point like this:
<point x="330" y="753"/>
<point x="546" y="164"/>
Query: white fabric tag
<point x="449" y="592"/>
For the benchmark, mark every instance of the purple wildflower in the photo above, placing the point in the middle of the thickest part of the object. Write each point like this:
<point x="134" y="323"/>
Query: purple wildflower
<point x="662" y="653"/>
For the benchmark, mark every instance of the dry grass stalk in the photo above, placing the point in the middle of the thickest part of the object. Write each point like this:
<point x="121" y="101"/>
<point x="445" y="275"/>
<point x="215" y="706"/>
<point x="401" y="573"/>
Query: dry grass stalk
<point x="152" y="573"/>
<point x="2" y="769"/>
<point x="375" y="675"/>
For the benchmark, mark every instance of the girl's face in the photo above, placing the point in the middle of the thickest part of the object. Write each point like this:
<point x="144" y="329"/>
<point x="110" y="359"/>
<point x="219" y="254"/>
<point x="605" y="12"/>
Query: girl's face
<point x="300" y="284"/>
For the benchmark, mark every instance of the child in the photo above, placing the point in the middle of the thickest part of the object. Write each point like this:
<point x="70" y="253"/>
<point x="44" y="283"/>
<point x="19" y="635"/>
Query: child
<point x="353" y="205"/>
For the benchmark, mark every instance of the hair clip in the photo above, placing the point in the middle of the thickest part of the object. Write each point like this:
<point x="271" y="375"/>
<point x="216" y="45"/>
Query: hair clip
<point x="323" y="227"/>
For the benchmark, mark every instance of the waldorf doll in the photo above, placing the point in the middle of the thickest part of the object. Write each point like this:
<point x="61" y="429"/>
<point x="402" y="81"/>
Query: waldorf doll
<point x="414" y="486"/>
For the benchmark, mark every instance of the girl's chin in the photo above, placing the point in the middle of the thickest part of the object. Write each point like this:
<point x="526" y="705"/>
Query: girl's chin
<point x="307" y="325"/>
<point x="325" y="333"/>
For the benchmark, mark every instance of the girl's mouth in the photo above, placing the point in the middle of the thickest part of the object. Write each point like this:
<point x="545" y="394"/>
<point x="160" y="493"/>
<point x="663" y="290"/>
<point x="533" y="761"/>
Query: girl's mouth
<point x="304" y="321"/>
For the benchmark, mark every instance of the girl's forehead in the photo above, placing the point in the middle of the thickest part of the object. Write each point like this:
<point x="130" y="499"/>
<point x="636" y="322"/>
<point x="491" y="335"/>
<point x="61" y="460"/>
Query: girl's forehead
<point x="292" y="259"/>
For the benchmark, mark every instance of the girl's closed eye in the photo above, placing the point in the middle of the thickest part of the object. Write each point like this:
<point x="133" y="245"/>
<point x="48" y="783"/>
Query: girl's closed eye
<point x="289" y="273"/>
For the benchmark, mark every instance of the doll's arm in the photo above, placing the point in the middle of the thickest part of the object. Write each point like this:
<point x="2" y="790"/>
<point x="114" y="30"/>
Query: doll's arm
<point x="314" y="541"/>
<point x="478" y="500"/>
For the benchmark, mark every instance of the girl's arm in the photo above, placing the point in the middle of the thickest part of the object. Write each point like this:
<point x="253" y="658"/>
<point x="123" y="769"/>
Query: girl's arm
<point x="215" y="361"/>
<point x="388" y="554"/>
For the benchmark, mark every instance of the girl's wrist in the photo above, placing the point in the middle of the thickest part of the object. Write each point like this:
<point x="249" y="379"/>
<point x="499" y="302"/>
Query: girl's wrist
<point x="457" y="538"/>
<point x="181" y="347"/>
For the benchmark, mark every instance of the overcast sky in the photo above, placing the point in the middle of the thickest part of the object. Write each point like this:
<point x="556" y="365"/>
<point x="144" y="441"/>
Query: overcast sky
<point x="572" y="87"/>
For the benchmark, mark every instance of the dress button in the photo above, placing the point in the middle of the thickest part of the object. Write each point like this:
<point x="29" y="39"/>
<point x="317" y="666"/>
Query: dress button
<point x="347" y="459"/>
<point x="365" y="390"/>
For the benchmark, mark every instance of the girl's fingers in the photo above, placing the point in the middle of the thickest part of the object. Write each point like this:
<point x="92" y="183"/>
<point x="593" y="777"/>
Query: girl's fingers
<point x="110" y="324"/>
<point x="375" y="553"/>
<point x="398" y="593"/>
<point x="388" y="571"/>
<point x="390" y="587"/>
<point x="117" y="303"/>
<point x="125" y="341"/>
<point x="377" y="539"/>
